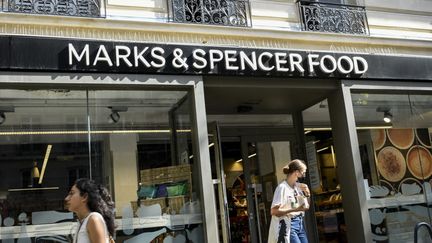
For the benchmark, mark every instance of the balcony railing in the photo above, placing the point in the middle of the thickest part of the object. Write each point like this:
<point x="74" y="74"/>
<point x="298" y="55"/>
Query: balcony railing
<point x="214" y="12"/>
<point x="79" y="8"/>
<point x="334" y="18"/>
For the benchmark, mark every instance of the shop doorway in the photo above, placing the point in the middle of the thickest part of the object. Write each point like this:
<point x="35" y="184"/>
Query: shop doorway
<point x="256" y="121"/>
<point x="263" y="157"/>
<point x="246" y="171"/>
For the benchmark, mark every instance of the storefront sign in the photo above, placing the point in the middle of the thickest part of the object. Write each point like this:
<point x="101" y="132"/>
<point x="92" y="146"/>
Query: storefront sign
<point x="212" y="60"/>
<point x="18" y="53"/>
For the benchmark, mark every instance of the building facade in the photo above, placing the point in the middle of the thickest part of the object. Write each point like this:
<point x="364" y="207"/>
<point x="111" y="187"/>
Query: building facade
<point x="188" y="110"/>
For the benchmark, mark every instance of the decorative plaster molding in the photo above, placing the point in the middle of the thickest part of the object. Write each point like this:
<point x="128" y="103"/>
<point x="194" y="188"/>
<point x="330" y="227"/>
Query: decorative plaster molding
<point x="171" y="33"/>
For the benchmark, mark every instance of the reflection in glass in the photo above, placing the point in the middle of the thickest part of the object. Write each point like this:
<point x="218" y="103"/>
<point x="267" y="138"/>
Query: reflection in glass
<point x="323" y="175"/>
<point x="396" y="161"/>
<point x="137" y="143"/>
<point x="41" y="145"/>
<point x="147" y="161"/>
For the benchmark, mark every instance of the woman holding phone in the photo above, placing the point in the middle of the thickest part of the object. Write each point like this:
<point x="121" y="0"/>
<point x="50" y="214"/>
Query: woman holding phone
<point x="290" y="201"/>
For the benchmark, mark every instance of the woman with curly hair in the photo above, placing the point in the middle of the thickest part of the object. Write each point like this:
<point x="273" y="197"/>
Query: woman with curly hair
<point x="94" y="208"/>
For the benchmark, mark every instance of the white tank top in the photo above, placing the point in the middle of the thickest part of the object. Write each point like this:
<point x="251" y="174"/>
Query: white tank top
<point x="81" y="236"/>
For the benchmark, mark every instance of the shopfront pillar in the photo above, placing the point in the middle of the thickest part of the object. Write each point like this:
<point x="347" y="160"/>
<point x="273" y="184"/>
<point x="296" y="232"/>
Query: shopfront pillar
<point x="349" y="166"/>
<point x="124" y="162"/>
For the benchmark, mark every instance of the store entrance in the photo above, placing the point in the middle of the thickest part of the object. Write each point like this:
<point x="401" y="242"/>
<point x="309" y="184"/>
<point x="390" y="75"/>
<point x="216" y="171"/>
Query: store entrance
<point x="260" y="130"/>
<point x="246" y="170"/>
<point x="263" y="157"/>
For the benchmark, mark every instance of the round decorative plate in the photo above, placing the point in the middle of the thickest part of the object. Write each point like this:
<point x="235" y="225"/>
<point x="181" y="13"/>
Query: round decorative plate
<point x="391" y="164"/>
<point x="401" y="138"/>
<point x="378" y="138"/>
<point x="419" y="161"/>
<point x="422" y="135"/>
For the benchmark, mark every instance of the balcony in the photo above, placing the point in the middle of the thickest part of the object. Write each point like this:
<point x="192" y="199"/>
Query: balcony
<point x="78" y="8"/>
<point x="212" y="12"/>
<point x="333" y="18"/>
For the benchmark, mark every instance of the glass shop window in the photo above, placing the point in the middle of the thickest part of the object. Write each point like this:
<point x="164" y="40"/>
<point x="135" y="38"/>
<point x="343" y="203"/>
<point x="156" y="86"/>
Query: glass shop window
<point x="137" y="143"/>
<point x="396" y="160"/>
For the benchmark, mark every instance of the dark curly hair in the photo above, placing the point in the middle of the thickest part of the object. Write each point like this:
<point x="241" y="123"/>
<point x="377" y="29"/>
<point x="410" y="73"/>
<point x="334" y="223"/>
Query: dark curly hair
<point x="99" y="200"/>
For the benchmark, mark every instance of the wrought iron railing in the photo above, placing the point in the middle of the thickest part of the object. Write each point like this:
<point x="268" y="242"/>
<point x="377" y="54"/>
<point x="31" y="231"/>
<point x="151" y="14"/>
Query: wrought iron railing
<point x="80" y="8"/>
<point x="215" y="12"/>
<point x="334" y="18"/>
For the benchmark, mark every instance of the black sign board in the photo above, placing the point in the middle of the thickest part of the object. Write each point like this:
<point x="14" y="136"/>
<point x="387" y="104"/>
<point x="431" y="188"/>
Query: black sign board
<point x="64" y="55"/>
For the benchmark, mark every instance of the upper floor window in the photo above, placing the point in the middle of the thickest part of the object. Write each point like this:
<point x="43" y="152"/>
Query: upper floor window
<point x="216" y="12"/>
<point x="80" y="8"/>
<point x="336" y="16"/>
<point x="345" y="2"/>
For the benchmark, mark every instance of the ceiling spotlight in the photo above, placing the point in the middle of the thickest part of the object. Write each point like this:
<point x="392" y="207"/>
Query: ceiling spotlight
<point x="114" y="117"/>
<point x="2" y="117"/>
<point x="4" y="109"/>
<point x="387" y="114"/>
<point x="387" y="117"/>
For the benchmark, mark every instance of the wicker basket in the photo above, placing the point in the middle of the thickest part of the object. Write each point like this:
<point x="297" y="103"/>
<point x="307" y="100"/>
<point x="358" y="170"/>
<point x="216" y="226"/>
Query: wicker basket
<point x="173" y="207"/>
<point x="175" y="204"/>
<point x="165" y="174"/>
<point x="147" y="202"/>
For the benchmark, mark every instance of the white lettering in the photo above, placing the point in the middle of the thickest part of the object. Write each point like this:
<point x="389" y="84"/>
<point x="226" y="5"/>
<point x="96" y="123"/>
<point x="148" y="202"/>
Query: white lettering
<point x="364" y="63"/>
<point x="198" y="55"/>
<point x="229" y="59"/>
<point x="312" y="62"/>
<point x="295" y="60"/>
<point x="139" y="57"/>
<point x="157" y="53"/>
<point x="260" y="61"/>
<point x="73" y="52"/>
<point x="280" y="58"/>
<point x="232" y="60"/>
<point x="102" y="56"/>
<point x="250" y="61"/>
<point x="214" y="59"/>
<point x="323" y="65"/>
<point x="122" y="56"/>
<point x="341" y="67"/>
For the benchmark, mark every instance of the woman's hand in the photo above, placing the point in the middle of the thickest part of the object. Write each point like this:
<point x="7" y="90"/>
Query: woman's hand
<point x="301" y="208"/>
<point x="305" y="189"/>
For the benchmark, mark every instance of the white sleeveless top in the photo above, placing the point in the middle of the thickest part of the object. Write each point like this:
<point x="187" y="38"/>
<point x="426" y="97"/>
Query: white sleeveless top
<point x="82" y="236"/>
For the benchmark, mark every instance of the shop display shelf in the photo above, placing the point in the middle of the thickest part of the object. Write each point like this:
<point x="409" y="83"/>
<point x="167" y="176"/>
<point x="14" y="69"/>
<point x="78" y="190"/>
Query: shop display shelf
<point x="399" y="200"/>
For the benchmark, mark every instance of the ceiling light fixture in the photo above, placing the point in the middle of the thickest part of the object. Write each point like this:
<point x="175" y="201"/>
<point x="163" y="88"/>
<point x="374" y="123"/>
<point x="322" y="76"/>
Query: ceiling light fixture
<point x="4" y="109"/>
<point x="319" y="150"/>
<point x="114" y="117"/>
<point x="388" y="116"/>
<point x="250" y="156"/>
<point x="25" y="133"/>
<point x="2" y="117"/>
<point x="45" y="162"/>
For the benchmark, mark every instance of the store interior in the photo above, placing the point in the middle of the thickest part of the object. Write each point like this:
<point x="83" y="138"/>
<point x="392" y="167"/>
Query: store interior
<point x="327" y="198"/>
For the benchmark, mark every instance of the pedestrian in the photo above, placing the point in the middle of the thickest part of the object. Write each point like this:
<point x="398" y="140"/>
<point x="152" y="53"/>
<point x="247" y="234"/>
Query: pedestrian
<point x="95" y="211"/>
<point x="290" y="201"/>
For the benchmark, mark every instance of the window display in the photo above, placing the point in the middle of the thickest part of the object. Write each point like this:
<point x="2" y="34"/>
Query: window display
<point x="398" y="162"/>
<point x="136" y="143"/>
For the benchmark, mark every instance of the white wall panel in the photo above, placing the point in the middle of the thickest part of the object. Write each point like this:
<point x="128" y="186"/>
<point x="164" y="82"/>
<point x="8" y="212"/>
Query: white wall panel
<point x="400" y="5"/>
<point x="272" y="9"/>
<point x="138" y="3"/>
<point x="399" y="20"/>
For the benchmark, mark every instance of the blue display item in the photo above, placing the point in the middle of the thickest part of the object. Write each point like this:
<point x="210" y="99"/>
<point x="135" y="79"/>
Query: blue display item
<point x="162" y="191"/>
<point x="146" y="192"/>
